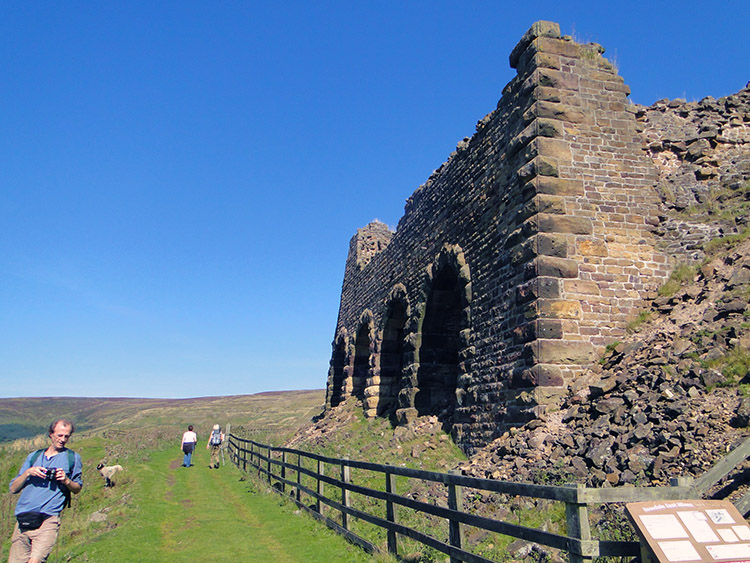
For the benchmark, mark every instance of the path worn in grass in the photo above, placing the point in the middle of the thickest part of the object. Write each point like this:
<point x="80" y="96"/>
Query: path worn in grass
<point x="201" y="514"/>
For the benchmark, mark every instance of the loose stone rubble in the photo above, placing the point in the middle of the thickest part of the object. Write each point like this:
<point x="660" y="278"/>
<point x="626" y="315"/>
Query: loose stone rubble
<point x="652" y="409"/>
<point x="700" y="149"/>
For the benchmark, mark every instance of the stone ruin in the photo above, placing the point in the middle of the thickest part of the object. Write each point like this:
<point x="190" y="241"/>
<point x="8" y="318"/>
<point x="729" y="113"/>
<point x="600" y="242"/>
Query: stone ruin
<point x="529" y="250"/>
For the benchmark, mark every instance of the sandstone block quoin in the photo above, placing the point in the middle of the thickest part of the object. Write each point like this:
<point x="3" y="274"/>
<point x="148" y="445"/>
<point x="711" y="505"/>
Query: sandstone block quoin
<point x="496" y="288"/>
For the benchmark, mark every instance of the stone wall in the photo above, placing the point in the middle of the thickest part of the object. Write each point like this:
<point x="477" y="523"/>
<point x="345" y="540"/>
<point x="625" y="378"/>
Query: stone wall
<point x="702" y="152"/>
<point x="517" y="261"/>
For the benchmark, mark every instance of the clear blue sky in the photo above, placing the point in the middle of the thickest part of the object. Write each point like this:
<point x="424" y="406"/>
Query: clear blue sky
<point x="179" y="181"/>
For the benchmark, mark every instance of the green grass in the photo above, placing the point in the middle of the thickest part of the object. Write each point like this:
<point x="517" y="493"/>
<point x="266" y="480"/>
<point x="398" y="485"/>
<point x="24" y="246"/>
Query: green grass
<point x="159" y="511"/>
<point x="725" y="243"/>
<point x="734" y="366"/>
<point x="681" y="274"/>
<point x="181" y="514"/>
<point x="642" y="318"/>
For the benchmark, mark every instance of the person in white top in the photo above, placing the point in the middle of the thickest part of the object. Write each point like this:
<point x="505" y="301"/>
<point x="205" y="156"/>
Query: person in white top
<point x="189" y="439"/>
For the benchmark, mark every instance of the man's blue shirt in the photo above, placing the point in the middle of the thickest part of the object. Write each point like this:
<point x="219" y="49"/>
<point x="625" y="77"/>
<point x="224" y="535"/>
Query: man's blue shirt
<point x="42" y="495"/>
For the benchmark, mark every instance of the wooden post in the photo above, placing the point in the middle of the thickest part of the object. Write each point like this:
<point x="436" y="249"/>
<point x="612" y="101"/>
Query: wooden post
<point x="646" y="554"/>
<point x="299" y="477"/>
<point x="283" y="472"/>
<point x="252" y="454"/>
<point x="225" y="443"/>
<point x="345" y="477"/>
<point x="455" y="502"/>
<point x="577" y="516"/>
<point x="390" y="513"/>
<point x="681" y="482"/>
<point x="318" y="504"/>
<point x="268" y="463"/>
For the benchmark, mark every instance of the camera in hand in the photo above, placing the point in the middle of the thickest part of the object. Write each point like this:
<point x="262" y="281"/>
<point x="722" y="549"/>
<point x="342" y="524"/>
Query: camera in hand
<point x="51" y="472"/>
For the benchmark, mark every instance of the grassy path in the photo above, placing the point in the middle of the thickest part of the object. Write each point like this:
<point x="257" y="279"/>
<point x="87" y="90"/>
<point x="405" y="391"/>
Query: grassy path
<point x="201" y="514"/>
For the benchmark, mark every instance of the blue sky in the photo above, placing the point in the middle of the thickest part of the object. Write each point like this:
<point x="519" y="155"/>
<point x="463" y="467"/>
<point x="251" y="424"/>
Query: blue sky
<point x="179" y="181"/>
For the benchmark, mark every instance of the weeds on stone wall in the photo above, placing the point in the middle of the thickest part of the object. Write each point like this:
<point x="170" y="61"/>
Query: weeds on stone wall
<point x="727" y="242"/>
<point x="642" y="318"/>
<point x="681" y="274"/>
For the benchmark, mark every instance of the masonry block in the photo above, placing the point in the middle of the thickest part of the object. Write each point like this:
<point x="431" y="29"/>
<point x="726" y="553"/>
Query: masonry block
<point x="552" y="244"/>
<point x="538" y="29"/>
<point x="565" y="224"/>
<point x="558" y="186"/>
<point x="556" y="267"/>
<point x="548" y="375"/>
<point x="581" y="287"/>
<point x="561" y="352"/>
<point x="558" y="80"/>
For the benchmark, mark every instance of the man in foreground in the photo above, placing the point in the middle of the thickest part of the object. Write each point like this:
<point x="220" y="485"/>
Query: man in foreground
<point x="46" y="480"/>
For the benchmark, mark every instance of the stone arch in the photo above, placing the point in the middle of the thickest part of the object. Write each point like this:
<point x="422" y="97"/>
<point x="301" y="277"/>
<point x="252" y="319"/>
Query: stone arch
<point x="392" y="348"/>
<point x="337" y="370"/>
<point x="444" y="331"/>
<point x="364" y="342"/>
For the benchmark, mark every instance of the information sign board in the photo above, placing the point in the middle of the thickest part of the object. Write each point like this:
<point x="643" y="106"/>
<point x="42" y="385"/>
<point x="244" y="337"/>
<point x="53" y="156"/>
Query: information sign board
<point x="696" y="531"/>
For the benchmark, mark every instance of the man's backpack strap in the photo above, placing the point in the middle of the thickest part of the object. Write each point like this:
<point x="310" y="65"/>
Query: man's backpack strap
<point x="63" y="488"/>
<point x="34" y="457"/>
<point x="71" y="462"/>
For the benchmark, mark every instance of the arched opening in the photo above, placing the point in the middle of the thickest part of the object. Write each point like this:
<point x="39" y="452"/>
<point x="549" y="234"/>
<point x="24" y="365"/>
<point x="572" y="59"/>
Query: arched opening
<point x="392" y="356"/>
<point x="361" y="361"/>
<point x="337" y="369"/>
<point x="438" y="354"/>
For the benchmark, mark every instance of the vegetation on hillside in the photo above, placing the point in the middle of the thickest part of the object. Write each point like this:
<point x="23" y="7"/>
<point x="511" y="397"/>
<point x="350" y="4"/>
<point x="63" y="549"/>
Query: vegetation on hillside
<point x="147" y="431"/>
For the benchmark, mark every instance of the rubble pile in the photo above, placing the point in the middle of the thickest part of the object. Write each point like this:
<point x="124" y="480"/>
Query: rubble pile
<point x="654" y="408"/>
<point x="702" y="152"/>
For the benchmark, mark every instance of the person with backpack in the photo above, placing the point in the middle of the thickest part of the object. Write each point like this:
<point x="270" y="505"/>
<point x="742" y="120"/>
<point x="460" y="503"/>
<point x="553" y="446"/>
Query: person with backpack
<point x="214" y="444"/>
<point x="46" y="480"/>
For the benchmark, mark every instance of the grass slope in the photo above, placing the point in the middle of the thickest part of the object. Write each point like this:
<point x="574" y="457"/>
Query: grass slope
<point x="200" y="514"/>
<point x="159" y="512"/>
<point x="164" y="512"/>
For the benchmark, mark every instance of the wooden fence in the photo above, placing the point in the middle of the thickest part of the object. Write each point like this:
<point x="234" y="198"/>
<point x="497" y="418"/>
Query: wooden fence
<point x="305" y="475"/>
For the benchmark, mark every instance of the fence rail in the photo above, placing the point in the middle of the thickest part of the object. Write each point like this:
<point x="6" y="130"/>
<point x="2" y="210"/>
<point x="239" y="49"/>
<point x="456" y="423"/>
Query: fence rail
<point x="277" y="464"/>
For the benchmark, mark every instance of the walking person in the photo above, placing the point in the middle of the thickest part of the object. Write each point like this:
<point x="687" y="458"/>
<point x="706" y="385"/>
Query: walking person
<point x="214" y="444"/>
<point x="46" y="480"/>
<point x="189" y="439"/>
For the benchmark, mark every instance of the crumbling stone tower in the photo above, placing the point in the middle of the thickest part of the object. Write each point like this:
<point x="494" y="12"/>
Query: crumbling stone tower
<point x="517" y="261"/>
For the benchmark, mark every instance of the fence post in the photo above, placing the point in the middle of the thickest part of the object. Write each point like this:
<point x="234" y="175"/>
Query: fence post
<point x="455" y="502"/>
<point x="244" y="457"/>
<point x="299" y="477"/>
<point x="345" y="476"/>
<point x="577" y="516"/>
<point x="681" y="482"/>
<point x="318" y="504"/>
<point x="268" y="465"/>
<point x="283" y="472"/>
<point x="225" y="443"/>
<point x="390" y="512"/>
